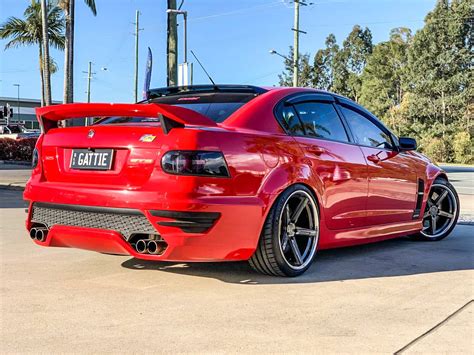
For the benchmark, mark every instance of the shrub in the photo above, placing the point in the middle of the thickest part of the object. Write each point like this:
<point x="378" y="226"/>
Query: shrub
<point x="436" y="149"/>
<point x="19" y="150"/>
<point x="462" y="146"/>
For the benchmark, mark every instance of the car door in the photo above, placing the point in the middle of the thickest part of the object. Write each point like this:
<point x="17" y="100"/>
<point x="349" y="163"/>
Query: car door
<point x="392" y="175"/>
<point x="335" y="161"/>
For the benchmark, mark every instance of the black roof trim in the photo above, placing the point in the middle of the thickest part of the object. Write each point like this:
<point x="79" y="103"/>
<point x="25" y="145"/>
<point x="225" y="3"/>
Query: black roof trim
<point x="179" y="90"/>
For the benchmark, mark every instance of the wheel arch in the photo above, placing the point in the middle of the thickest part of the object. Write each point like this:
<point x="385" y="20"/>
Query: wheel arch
<point x="279" y="185"/>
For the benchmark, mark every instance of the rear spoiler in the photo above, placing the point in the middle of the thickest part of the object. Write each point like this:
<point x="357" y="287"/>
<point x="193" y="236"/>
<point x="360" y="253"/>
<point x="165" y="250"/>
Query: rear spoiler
<point x="170" y="116"/>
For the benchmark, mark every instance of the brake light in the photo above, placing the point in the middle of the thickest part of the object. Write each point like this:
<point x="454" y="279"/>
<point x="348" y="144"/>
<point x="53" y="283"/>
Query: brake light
<point x="198" y="163"/>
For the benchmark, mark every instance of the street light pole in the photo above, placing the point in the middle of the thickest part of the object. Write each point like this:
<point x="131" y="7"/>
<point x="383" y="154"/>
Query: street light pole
<point x="18" y="100"/>
<point x="272" y="51"/>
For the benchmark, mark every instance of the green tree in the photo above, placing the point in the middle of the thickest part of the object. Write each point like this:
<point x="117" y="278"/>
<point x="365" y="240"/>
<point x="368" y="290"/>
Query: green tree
<point x="384" y="76"/>
<point x="349" y="62"/>
<point x="357" y="47"/>
<point x="439" y="67"/>
<point x="305" y="71"/>
<point x="323" y="76"/>
<point x="28" y="31"/>
<point x="68" y="6"/>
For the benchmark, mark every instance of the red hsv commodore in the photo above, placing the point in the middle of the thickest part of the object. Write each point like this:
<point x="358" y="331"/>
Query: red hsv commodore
<point x="221" y="173"/>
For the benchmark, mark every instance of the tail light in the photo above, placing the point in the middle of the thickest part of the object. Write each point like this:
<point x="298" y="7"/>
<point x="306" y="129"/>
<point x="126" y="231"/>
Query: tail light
<point x="197" y="163"/>
<point x="35" y="158"/>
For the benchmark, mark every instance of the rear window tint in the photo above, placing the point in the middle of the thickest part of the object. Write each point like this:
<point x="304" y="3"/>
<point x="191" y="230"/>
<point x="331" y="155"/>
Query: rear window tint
<point x="217" y="106"/>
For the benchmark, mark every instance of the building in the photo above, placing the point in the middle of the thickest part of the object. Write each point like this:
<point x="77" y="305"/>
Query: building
<point x="27" y="110"/>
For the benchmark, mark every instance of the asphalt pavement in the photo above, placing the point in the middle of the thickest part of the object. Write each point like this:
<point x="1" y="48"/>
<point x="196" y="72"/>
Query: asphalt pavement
<point x="394" y="296"/>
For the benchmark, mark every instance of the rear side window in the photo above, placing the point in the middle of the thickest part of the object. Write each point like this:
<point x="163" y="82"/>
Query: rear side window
<point x="365" y="131"/>
<point x="290" y="121"/>
<point x="320" y="120"/>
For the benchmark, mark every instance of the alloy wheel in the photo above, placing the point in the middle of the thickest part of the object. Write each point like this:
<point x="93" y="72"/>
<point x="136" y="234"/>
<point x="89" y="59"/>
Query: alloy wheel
<point x="298" y="230"/>
<point x="440" y="212"/>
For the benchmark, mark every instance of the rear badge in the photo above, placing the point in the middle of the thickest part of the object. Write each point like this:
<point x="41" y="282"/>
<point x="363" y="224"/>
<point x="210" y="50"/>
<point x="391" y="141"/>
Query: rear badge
<point x="147" y="138"/>
<point x="90" y="134"/>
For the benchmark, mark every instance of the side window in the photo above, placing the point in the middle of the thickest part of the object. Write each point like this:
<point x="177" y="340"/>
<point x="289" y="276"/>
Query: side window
<point x="321" y="120"/>
<point x="290" y="121"/>
<point x="365" y="131"/>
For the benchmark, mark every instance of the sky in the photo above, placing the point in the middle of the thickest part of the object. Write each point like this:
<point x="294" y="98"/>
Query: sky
<point x="232" y="38"/>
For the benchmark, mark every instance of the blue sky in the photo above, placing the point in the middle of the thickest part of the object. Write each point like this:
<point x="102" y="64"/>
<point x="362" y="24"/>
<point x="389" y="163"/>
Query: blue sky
<point x="231" y="37"/>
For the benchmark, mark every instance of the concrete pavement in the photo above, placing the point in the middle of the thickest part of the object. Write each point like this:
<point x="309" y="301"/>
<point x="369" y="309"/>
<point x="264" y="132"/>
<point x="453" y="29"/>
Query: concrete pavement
<point x="376" y="298"/>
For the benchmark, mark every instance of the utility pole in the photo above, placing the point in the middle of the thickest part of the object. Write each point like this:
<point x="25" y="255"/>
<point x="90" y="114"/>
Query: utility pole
<point x="89" y="77"/>
<point x="296" y="43"/>
<point x="137" y="30"/>
<point x="172" y="46"/>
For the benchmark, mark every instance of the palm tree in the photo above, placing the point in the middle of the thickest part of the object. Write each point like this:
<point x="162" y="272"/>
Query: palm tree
<point x="68" y="7"/>
<point x="28" y="31"/>
<point x="46" y="58"/>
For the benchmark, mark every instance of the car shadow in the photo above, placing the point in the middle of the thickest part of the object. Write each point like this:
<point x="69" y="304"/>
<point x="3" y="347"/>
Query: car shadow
<point x="12" y="199"/>
<point x="397" y="257"/>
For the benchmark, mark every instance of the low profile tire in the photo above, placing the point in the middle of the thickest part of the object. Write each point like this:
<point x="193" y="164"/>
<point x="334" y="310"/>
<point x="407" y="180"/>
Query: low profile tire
<point x="290" y="235"/>
<point x="441" y="212"/>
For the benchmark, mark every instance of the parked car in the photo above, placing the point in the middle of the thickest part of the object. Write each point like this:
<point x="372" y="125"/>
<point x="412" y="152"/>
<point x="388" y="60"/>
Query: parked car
<point x="220" y="173"/>
<point x="24" y="135"/>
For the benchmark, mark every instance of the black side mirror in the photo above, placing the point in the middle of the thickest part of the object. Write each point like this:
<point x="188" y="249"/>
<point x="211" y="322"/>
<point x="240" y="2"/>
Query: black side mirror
<point x="406" y="143"/>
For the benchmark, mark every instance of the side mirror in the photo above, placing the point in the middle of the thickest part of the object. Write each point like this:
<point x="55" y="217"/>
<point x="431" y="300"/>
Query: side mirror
<point x="406" y="143"/>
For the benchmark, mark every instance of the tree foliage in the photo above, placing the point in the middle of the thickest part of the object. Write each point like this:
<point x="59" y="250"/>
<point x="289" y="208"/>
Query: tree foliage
<point x="420" y="85"/>
<point x="27" y="31"/>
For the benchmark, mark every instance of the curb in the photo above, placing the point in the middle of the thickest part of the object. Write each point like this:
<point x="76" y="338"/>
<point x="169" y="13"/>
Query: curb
<point x="12" y="187"/>
<point x="15" y="162"/>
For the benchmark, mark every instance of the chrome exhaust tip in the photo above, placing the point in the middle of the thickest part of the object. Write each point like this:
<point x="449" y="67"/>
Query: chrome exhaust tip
<point x="154" y="247"/>
<point x="140" y="246"/>
<point x="41" y="234"/>
<point x="33" y="233"/>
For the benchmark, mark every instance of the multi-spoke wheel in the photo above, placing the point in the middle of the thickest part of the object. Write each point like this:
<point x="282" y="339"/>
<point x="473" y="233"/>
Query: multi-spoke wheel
<point x="441" y="211"/>
<point x="290" y="235"/>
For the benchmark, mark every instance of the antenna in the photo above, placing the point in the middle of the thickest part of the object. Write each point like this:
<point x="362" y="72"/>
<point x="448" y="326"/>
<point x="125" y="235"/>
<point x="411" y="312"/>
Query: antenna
<point x="205" y="71"/>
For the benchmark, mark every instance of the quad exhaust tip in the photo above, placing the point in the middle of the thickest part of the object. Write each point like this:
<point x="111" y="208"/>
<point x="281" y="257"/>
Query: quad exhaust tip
<point x="33" y="233"/>
<point x="141" y="246"/>
<point x="39" y="233"/>
<point x="150" y="246"/>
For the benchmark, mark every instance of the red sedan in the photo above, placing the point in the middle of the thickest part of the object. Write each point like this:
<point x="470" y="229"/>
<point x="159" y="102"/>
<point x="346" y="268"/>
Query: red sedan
<point x="220" y="173"/>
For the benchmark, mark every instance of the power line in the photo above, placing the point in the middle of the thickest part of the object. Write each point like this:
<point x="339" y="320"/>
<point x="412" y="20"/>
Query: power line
<point x="240" y="11"/>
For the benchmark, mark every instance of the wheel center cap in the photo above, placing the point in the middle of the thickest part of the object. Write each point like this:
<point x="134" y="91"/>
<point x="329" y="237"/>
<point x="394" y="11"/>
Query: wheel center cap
<point x="291" y="229"/>
<point x="434" y="211"/>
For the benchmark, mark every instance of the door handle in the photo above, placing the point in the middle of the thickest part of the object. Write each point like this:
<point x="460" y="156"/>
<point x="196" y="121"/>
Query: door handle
<point x="316" y="150"/>
<point x="374" y="158"/>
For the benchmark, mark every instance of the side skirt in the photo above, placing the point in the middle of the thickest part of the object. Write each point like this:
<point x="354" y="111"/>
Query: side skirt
<point x="343" y="238"/>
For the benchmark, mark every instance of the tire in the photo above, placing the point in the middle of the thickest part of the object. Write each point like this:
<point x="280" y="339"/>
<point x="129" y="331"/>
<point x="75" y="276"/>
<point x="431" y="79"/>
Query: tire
<point x="449" y="205"/>
<point x="289" y="238"/>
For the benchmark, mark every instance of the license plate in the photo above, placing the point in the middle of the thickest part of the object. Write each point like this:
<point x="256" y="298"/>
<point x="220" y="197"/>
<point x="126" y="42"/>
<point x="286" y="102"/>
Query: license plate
<point x="92" y="159"/>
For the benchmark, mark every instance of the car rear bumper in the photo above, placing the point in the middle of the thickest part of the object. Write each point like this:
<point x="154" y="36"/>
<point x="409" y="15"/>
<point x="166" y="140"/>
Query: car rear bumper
<point x="208" y="228"/>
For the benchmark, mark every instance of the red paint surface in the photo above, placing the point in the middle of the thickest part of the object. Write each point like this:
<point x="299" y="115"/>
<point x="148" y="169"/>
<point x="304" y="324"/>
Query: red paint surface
<point x="360" y="200"/>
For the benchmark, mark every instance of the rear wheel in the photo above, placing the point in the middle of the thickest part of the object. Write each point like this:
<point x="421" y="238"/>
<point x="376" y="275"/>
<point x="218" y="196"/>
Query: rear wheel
<point x="289" y="238"/>
<point x="441" y="211"/>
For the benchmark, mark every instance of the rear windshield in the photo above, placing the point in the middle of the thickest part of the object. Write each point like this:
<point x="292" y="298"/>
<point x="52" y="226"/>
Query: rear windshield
<point x="217" y="106"/>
